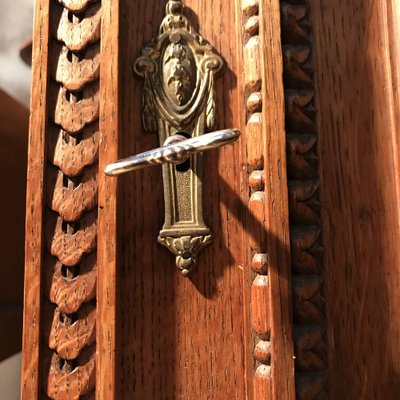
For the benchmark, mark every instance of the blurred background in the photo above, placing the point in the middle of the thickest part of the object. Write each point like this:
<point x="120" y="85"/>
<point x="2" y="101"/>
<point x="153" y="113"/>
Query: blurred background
<point x="15" y="33"/>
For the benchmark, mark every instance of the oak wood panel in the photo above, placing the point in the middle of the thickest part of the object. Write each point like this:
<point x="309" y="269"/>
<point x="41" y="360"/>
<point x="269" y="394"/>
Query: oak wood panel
<point x="34" y="206"/>
<point x="357" y="75"/>
<point x="60" y="318"/>
<point x="70" y="219"/>
<point x="107" y="253"/>
<point x="259" y="309"/>
<point x="197" y="338"/>
<point x="276" y="202"/>
<point x="225" y="332"/>
<point x="181" y="338"/>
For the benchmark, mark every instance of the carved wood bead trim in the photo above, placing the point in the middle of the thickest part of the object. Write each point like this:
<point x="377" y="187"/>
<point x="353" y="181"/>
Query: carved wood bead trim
<point x="70" y="278"/>
<point x="77" y="34"/>
<point x="71" y="198"/>
<point x="69" y="155"/>
<point x="74" y="73"/>
<point x="304" y="203"/>
<point x="260" y="315"/>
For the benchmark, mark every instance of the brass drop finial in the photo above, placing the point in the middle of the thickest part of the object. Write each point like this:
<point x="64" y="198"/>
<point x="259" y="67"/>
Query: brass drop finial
<point x="174" y="18"/>
<point x="175" y="7"/>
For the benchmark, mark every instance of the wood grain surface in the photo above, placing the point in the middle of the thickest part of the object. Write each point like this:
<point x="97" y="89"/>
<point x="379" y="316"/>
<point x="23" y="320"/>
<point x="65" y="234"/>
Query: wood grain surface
<point x="114" y="314"/>
<point x="118" y="321"/>
<point x="71" y="202"/>
<point x="107" y="253"/>
<point x="60" y="272"/>
<point x="31" y="340"/>
<point x="260" y="385"/>
<point x="356" y="57"/>
<point x="181" y="338"/>
<point x="276" y="202"/>
<point x="216" y="335"/>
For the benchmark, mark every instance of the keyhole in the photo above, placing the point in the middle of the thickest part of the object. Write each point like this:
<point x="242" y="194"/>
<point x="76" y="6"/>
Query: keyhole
<point x="186" y="165"/>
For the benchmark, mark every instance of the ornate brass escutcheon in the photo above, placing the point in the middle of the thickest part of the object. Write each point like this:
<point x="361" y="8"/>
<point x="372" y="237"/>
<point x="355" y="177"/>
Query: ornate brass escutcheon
<point x="178" y="68"/>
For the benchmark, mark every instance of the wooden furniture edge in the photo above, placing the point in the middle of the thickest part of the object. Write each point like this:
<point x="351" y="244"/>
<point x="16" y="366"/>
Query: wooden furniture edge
<point x="106" y="364"/>
<point x="269" y="251"/>
<point x="30" y="371"/>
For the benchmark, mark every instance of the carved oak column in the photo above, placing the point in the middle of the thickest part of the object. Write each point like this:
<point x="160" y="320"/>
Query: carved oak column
<point x="62" y="254"/>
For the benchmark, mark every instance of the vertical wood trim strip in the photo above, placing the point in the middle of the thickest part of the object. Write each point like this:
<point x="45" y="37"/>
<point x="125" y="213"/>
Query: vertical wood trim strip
<point x="260" y="312"/>
<point x="302" y="132"/>
<point x="269" y="243"/>
<point x="276" y="201"/>
<point x="30" y="371"/>
<point x="107" y="221"/>
<point x="68" y="356"/>
<point x="393" y="49"/>
<point x="61" y="226"/>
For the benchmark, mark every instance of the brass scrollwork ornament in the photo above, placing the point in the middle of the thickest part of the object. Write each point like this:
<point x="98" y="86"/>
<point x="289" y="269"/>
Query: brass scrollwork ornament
<point x="178" y="68"/>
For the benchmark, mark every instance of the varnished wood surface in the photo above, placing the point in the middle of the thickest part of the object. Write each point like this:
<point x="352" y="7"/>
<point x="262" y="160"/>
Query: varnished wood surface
<point x="14" y="120"/>
<point x="107" y="254"/>
<point x="68" y="358"/>
<point x="357" y="74"/>
<point x="118" y="320"/>
<point x="59" y="344"/>
<point x="209" y="337"/>
<point x="31" y="341"/>
<point x="226" y="332"/>
<point x="181" y="338"/>
<point x="276" y="203"/>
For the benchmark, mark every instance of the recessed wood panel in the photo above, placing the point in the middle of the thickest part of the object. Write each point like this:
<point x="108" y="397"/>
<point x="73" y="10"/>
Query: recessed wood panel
<point x="107" y="314"/>
<point x="357" y="75"/>
<point x="182" y="338"/>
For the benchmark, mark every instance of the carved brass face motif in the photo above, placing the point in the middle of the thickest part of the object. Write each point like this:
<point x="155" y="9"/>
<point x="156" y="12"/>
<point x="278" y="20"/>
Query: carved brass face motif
<point x="178" y="68"/>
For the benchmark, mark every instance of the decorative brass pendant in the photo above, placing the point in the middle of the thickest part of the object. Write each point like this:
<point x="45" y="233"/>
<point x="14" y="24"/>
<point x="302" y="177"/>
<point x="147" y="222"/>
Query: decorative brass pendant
<point x="178" y="68"/>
